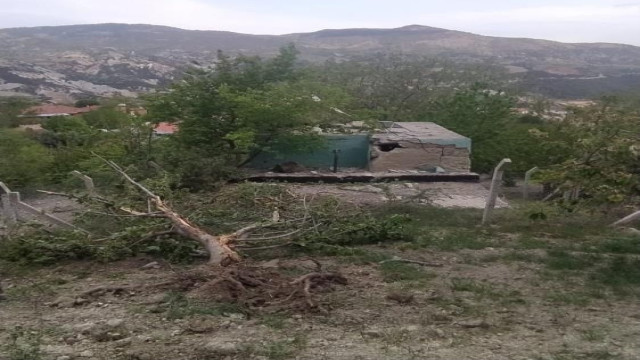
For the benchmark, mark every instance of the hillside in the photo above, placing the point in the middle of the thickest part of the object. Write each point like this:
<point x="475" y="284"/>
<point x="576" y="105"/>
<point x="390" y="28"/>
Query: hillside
<point x="65" y="62"/>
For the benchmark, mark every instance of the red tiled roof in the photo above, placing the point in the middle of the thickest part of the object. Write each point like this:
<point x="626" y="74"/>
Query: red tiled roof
<point x="53" y="110"/>
<point x="165" y="128"/>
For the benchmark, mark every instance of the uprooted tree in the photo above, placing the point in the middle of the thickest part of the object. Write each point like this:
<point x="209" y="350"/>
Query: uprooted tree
<point x="218" y="247"/>
<point x="247" y="284"/>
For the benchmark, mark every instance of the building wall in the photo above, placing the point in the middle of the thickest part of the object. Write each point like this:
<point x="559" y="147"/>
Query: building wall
<point x="354" y="153"/>
<point x="416" y="156"/>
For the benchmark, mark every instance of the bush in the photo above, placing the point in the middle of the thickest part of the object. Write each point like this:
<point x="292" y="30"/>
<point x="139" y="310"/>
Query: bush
<point x="47" y="248"/>
<point x="24" y="162"/>
<point x="361" y="230"/>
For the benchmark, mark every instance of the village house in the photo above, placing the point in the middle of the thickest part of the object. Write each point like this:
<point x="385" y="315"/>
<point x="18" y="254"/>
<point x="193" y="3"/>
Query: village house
<point x="52" y="110"/>
<point x="412" y="147"/>
<point x="394" y="147"/>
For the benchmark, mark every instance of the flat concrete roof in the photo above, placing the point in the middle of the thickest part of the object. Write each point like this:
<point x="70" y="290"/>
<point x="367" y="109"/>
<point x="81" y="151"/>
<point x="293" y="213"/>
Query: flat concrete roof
<point x="421" y="132"/>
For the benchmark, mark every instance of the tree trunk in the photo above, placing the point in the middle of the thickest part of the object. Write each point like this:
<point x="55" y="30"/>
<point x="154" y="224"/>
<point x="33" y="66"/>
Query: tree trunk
<point x="220" y="253"/>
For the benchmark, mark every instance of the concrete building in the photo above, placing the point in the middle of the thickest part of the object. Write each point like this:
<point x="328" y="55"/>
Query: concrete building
<point x="419" y="146"/>
<point x="396" y="147"/>
<point x="52" y="110"/>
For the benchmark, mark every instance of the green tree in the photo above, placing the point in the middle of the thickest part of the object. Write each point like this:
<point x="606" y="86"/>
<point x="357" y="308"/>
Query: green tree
<point x="398" y="87"/>
<point x="10" y="109"/>
<point x="597" y="150"/>
<point x="24" y="162"/>
<point x="484" y="115"/>
<point x="242" y="107"/>
<point x="86" y="102"/>
<point x="107" y="118"/>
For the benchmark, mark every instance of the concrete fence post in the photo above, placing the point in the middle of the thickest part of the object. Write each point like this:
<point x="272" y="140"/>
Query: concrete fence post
<point x="494" y="190"/>
<point x="88" y="182"/>
<point x="8" y="210"/>
<point x="527" y="180"/>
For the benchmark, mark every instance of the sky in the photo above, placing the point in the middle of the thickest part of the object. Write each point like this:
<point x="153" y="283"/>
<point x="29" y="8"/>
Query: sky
<point x="615" y="21"/>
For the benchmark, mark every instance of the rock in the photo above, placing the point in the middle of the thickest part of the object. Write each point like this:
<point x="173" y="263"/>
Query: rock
<point x="63" y="357"/>
<point x="333" y="337"/>
<point x="400" y="297"/>
<point x="70" y="340"/>
<point x="137" y="355"/>
<point x="110" y="330"/>
<point x="319" y="342"/>
<point x="221" y="348"/>
<point x="236" y="316"/>
<point x="155" y="299"/>
<point x="151" y="265"/>
<point x="411" y="328"/>
<point x="144" y="338"/>
<point x="115" y="323"/>
<point x="372" y="332"/>
<point x="86" y="353"/>
<point x="63" y="301"/>
<point x="80" y="301"/>
<point x="271" y="264"/>
<point x="123" y="342"/>
<point x="470" y="324"/>
<point x="85" y="328"/>
<point x="59" y="350"/>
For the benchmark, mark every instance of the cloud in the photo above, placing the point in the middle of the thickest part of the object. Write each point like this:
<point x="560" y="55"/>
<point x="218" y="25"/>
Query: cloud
<point x="581" y="23"/>
<point x="544" y="14"/>
<point x="565" y="20"/>
<point x="186" y="14"/>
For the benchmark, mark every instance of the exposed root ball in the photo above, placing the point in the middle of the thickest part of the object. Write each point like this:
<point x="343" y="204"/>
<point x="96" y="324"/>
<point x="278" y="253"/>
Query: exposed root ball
<point x="259" y="288"/>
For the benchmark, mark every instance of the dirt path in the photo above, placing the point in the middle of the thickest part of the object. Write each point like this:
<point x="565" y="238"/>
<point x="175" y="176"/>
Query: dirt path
<point x="466" y="309"/>
<point x="442" y="194"/>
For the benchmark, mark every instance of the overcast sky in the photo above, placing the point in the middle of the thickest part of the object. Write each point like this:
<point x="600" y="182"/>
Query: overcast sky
<point x="562" y="20"/>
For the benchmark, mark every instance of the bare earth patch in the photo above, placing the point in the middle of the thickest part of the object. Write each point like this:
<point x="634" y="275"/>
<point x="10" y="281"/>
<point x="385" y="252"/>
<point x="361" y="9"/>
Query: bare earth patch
<point x="466" y="309"/>
<point x="442" y="194"/>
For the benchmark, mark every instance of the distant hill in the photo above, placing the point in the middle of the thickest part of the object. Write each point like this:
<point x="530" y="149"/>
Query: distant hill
<point x="66" y="62"/>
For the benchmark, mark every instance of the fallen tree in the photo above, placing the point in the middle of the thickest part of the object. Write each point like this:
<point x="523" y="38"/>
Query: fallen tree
<point x="219" y="248"/>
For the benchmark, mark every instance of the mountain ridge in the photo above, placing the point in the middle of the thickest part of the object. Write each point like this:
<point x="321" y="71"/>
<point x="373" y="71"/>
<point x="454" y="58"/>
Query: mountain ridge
<point x="108" y="59"/>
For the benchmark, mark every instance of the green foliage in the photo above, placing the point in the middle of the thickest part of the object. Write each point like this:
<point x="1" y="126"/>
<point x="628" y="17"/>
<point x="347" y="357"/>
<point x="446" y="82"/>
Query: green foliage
<point x="86" y="102"/>
<point x="486" y="116"/>
<point x="107" y="118"/>
<point x="172" y="248"/>
<point x="570" y="298"/>
<point x="242" y="107"/>
<point x="24" y="344"/>
<point x="453" y="239"/>
<point x="599" y="148"/>
<point x="274" y="321"/>
<point x="24" y="162"/>
<point x="622" y="273"/>
<point x="360" y="230"/>
<point x="563" y="260"/>
<point x="177" y="306"/>
<point x="393" y="271"/>
<point x="46" y="248"/>
<point x="10" y="109"/>
<point x="396" y="87"/>
<point x="617" y="245"/>
<point x="68" y="131"/>
<point x="284" y="349"/>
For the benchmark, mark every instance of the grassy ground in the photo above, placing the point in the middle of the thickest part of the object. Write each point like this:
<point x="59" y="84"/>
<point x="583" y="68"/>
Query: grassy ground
<point x="536" y="284"/>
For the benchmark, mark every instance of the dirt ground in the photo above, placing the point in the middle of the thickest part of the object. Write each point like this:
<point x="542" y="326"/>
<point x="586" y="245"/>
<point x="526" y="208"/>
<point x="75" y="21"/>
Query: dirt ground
<point x="468" y="308"/>
<point x="443" y="194"/>
<point x="495" y="301"/>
